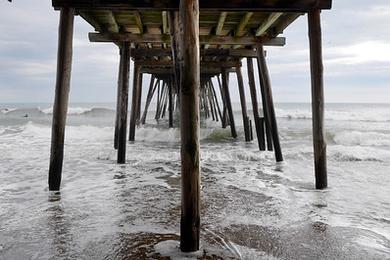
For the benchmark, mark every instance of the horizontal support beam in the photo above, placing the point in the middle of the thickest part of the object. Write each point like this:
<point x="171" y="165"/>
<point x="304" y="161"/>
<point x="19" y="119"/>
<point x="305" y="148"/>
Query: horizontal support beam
<point x="221" y="5"/>
<point x="203" y="39"/>
<point x="204" y="64"/>
<point x="168" y="71"/>
<point x="148" y="53"/>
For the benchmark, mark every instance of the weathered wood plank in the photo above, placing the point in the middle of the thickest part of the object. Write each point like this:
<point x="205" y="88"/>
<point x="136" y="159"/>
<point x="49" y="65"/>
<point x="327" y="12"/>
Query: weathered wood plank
<point x="60" y="108"/>
<point x="264" y="26"/>
<point x="240" y="31"/>
<point x="221" y="22"/>
<point x="317" y="88"/>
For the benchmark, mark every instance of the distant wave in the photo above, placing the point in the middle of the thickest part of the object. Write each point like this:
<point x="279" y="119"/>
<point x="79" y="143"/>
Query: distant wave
<point x="82" y="110"/>
<point x="369" y="115"/>
<point x="94" y="111"/>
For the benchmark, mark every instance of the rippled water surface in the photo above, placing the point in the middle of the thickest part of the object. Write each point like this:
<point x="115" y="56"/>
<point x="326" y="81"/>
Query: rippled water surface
<point x="252" y="207"/>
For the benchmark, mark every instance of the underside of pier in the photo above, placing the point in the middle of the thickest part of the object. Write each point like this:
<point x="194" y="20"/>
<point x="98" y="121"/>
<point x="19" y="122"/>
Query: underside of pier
<point x="187" y="46"/>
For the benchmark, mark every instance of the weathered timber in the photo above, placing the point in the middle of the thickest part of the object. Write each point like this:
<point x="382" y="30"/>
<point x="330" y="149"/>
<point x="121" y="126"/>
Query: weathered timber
<point x="123" y="101"/>
<point x="158" y="99"/>
<point x="152" y="88"/>
<point x="224" y="110"/>
<point x="317" y="89"/>
<point x="225" y="85"/>
<point x="271" y="19"/>
<point x="170" y="107"/>
<point x="255" y="106"/>
<point x="265" y="81"/>
<point x="204" y="64"/>
<point x="261" y="123"/>
<point x="60" y="108"/>
<point x="216" y="100"/>
<point x="213" y="101"/>
<point x="204" y="39"/>
<point x="251" y="128"/>
<point x="140" y="53"/>
<point x="139" y="98"/>
<point x="174" y="29"/>
<point x="220" y="5"/>
<point x="134" y="101"/>
<point x="243" y="104"/>
<point x="190" y="127"/>
<point x="117" y="102"/>
<point x="266" y="113"/>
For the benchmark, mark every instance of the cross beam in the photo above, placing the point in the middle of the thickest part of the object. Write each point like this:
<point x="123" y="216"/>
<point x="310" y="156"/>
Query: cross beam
<point x="143" y="52"/>
<point x="203" y="39"/>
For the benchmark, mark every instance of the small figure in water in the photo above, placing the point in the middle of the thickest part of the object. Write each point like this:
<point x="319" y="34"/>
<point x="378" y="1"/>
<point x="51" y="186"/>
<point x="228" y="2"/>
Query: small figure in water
<point x="26" y="115"/>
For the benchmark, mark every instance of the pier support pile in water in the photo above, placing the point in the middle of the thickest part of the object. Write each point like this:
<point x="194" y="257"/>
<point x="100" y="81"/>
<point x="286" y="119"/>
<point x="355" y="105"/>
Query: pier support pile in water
<point x="184" y="47"/>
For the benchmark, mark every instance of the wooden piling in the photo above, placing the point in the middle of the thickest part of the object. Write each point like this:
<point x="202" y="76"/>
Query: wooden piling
<point x="266" y="83"/>
<point x="216" y="100"/>
<point x="251" y="128"/>
<point x="317" y="89"/>
<point x="134" y="101"/>
<point x="139" y="98"/>
<point x="255" y="106"/>
<point x="225" y="85"/>
<point x="170" y="86"/>
<point x="117" y="102"/>
<point x="123" y="101"/>
<point x="158" y="98"/>
<point x="190" y="126"/>
<point x="60" y="108"/>
<point x="261" y="133"/>
<point x="152" y="88"/>
<point x="224" y="110"/>
<point x="243" y="103"/>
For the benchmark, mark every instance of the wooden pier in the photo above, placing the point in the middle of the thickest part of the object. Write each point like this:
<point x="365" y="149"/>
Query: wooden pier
<point x="184" y="45"/>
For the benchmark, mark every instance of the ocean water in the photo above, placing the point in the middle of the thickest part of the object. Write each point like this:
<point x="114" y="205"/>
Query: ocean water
<point x="252" y="207"/>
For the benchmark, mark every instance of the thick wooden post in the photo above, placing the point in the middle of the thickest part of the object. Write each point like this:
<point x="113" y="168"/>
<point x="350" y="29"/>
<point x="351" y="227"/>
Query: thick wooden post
<point x="134" y="101"/>
<point x="255" y="106"/>
<point x="225" y="85"/>
<point x="123" y="101"/>
<point x="317" y="90"/>
<point x="117" y="102"/>
<point x="60" y="108"/>
<point x="266" y="83"/>
<point x="224" y="110"/>
<point x="243" y="104"/>
<point x="190" y="126"/>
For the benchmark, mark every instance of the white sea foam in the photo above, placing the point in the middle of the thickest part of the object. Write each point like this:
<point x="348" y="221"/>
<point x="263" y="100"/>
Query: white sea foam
<point x="352" y="138"/>
<point x="369" y="115"/>
<point x="71" y="110"/>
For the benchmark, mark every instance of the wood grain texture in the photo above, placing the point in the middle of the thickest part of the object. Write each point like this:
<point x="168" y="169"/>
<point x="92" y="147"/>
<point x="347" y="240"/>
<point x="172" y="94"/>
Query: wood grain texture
<point x="190" y="126"/>
<point x="60" y="108"/>
<point x="317" y="90"/>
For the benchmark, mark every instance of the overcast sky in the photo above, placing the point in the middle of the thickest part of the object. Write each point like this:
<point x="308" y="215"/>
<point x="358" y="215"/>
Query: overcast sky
<point x="356" y="39"/>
